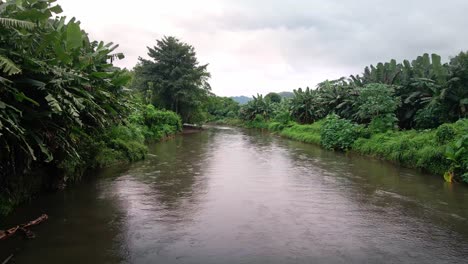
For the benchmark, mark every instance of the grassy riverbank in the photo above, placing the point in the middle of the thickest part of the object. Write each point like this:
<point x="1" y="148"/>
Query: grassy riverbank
<point x="440" y="151"/>
<point x="123" y="143"/>
<point x="65" y="108"/>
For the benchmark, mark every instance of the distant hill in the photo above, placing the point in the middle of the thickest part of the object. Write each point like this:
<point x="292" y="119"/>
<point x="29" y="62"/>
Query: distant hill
<point x="241" y="99"/>
<point x="286" y="94"/>
<point x="244" y="99"/>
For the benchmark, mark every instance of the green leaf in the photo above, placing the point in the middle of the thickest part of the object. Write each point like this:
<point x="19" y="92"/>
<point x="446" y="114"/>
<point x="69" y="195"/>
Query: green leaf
<point x="8" y="67"/>
<point x="74" y="36"/>
<point x="16" y="23"/>
<point x="102" y="74"/>
<point x="53" y="103"/>
<point x="21" y="96"/>
<point x="44" y="149"/>
<point x="56" y="9"/>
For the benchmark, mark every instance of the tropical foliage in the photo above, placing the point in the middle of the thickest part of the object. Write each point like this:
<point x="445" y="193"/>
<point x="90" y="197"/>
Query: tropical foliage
<point x="366" y="111"/>
<point x="421" y="94"/>
<point x="337" y="133"/>
<point x="56" y="85"/>
<point x="219" y="108"/>
<point x="63" y="105"/>
<point x="173" y="78"/>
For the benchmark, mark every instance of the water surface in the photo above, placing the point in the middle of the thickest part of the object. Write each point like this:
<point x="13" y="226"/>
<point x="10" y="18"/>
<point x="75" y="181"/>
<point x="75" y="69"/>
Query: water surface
<point x="237" y="196"/>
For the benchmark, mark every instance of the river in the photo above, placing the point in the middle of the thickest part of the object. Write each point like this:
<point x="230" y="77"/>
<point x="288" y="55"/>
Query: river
<point x="227" y="195"/>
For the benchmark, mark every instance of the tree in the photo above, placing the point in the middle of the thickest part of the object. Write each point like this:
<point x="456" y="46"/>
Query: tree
<point x="457" y="86"/>
<point x="174" y="76"/>
<point x="377" y="103"/>
<point x="257" y="107"/>
<point x="375" y="100"/>
<point x="221" y="107"/>
<point x="337" y="96"/>
<point x="273" y="97"/>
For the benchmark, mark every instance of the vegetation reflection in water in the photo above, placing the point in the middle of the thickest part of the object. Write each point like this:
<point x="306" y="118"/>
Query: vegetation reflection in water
<point x="246" y="196"/>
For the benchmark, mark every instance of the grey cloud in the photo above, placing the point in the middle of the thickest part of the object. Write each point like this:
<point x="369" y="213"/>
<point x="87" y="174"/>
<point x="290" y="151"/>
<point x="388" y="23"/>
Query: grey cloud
<point x="347" y="32"/>
<point x="261" y="45"/>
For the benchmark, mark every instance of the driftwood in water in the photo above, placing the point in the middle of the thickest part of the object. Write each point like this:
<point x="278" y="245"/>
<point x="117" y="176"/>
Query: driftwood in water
<point x="4" y="234"/>
<point x="7" y="259"/>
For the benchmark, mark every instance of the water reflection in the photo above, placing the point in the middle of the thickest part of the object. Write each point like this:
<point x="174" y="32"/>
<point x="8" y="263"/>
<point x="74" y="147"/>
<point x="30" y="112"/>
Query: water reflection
<point x="83" y="227"/>
<point x="245" y="196"/>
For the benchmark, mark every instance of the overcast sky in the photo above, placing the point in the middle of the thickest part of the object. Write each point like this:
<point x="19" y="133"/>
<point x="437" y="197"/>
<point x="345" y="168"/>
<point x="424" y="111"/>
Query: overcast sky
<point x="258" y="46"/>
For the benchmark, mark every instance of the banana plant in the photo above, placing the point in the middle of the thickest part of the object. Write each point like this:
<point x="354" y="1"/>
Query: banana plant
<point x="458" y="156"/>
<point x="57" y="86"/>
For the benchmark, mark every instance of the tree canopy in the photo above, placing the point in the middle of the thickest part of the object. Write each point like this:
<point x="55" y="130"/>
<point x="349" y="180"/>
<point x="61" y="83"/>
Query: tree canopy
<point x="174" y="78"/>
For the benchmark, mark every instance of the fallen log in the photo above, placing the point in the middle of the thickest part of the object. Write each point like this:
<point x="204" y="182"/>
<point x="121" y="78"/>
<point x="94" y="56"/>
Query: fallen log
<point x="4" y="234"/>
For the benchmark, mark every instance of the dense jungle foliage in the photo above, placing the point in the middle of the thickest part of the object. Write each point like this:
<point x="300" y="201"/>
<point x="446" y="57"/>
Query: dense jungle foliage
<point x="64" y="107"/>
<point x="413" y="113"/>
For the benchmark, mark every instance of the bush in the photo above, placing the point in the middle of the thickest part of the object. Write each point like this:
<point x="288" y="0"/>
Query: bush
<point x="445" y="133"/>
<point x="383" y="123"/>
<point x="258" y="122"/>
<point x="430" y="117"/>
<point x="133" y="150"/>
<point x="126" y="143"/>
<point x="122" y="144"/>
<point x="457" y="154"/>
<point x="282" y="117"/>
<point x="130" y="132"/>
<point x="376" y="99"/>
<point x="154" y="118"/>
<point x="156" y="124"/>
<point x="337" y="133"/>
<point x="108" y="157"/>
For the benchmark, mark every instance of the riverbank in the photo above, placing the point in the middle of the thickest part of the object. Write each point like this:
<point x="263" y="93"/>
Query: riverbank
<point x="441" y="151"/>
<point x="120" y="144"/>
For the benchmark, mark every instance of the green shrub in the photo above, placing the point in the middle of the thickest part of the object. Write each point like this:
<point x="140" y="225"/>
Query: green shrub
<point x="445" y="133"/>
<point x="383" y="123"/>
<point x="108" y="157"/>
<point x="154" y="117"/>
<point x="376" y="99"/>
<point x="457" y="154"/>
<point x="130" y="132"/>
<point x="258" y="122"/>
<point x="133" y="150"/>
<point x="337" y="133"/>
<point x="282" y="117"/>
<point x="363" y="132"/>
<point x="430" y="117"/>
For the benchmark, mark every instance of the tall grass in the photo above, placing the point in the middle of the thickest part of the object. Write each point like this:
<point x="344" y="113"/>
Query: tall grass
<point x="305" y="133"/>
